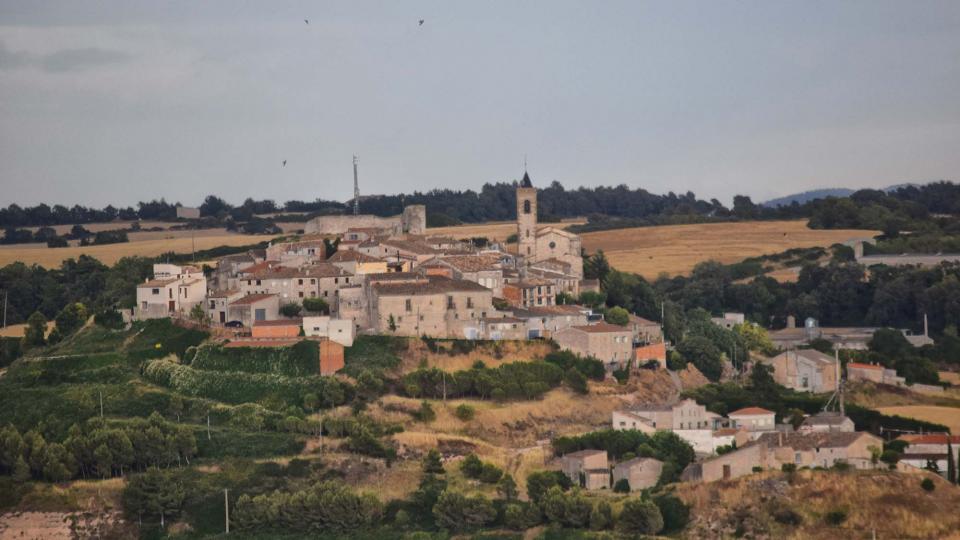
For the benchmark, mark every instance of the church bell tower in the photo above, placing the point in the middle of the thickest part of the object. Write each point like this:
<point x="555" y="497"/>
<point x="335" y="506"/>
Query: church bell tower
<point x="527" y="219"/>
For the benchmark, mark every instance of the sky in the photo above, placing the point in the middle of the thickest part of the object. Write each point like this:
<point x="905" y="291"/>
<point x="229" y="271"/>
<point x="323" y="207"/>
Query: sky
<point x="113" y="102"/>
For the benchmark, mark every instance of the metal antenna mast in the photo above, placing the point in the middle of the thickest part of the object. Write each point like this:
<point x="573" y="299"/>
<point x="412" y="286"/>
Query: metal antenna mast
<point x="356" y="189"/>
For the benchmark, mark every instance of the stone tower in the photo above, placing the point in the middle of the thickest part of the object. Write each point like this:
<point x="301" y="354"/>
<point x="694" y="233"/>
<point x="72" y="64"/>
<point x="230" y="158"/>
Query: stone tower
<point x="527" y="219"/>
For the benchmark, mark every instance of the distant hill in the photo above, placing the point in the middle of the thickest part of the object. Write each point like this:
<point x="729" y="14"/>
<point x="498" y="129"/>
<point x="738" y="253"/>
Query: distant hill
<point x="808" y="196"/>
<point x="813" y="194"/>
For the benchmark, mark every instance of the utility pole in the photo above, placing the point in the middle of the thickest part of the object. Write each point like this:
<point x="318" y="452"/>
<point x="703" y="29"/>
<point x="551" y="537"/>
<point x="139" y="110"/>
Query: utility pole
<point x="356" y="189"/>
<point x="101" y="402"/>
<point x="208" y="426"/>
<point x="321" y="434"/>
<point x="6" y="295"/>
<point x="226" y="510"/>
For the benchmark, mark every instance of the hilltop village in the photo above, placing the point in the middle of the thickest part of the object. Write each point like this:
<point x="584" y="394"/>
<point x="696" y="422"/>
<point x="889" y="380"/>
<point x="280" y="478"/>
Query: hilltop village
<point x="353" y="275"/>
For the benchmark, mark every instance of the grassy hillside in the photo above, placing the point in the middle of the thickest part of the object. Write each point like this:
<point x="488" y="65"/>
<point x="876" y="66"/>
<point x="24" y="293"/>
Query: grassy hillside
<point x="823" y="505"/>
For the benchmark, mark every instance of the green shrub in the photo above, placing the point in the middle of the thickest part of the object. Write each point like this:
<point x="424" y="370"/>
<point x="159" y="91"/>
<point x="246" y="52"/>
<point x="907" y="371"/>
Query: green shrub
<point x="290" y="310"/>
<point x="296" y="360"/>
<point x="835" y="517"/>
<point x="927" y="484"/>
<point x="465" y="412"/>
<point x="241" y="387"/>
<point x="786" y="516"/>
<point x="788" y="468"/>
<point x="640" y="517"/>
<point x="316" y="305"/>
<point x="622" y="486"/>
<point x="518" y="380"/>
<point x="675" y="513"/>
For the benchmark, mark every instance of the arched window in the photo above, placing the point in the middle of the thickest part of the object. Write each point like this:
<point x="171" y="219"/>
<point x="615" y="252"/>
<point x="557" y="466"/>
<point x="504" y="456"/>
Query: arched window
<point x="526" y="207"/>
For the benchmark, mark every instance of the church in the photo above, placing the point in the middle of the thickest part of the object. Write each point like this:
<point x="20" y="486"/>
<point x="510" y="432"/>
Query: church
<point x="550" y="248"/>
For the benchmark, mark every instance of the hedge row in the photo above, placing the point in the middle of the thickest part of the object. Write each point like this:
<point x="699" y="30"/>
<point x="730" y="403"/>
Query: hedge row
<point x="517" y="380"/>
<point x="294" y="361"/>
<point x="240" y="387"/>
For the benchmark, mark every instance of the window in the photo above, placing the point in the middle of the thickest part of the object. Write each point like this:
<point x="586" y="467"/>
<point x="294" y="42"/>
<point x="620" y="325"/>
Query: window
<point x="156" y="291"/>
<point x="526" y="207"/>
<point x="258" y="282"/>
<point x="553" y="244"/>
<point x="408" y="304"/>
<point x="301" y="294"/>
<point x="336" y="280"/>
<point x="299" y="282"/>
<point x="313" y="282"/>
<point x="469" y="303"/>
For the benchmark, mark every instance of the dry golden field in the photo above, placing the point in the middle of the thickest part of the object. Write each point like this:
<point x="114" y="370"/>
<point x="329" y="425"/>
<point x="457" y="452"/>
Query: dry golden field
<point x="676" y="249"/>
<point x="948" y="416"/>
<point x="176" y="241"/>
<point x="951" y="377"/>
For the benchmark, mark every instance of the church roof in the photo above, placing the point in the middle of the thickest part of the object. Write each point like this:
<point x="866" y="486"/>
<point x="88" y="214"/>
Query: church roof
<point x="526" y="180"/>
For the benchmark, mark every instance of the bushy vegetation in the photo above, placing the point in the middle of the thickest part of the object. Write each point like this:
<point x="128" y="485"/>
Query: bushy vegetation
<point x="301" y="359"/>
<point x="374" y="353"/>
<point x="241" y="387"/>
<point x="325" y="506"/>
<point x="517" y="380"/>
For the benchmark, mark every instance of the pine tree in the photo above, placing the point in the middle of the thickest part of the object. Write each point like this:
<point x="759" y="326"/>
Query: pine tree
<point x="21" y="471"/>
<point x="432" y="463"/>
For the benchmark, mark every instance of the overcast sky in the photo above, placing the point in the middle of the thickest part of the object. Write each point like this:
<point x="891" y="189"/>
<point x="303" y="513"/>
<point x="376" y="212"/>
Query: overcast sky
<point x="114" y="102"/>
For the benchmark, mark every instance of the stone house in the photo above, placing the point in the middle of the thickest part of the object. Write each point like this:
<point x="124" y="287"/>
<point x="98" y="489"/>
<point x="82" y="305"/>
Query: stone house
<point x="924" y="450"/>
<point x="644" y="331"/>
<point x="558" y="244"/>
<point x="218" y="303"/>
<point x="641" y="473"/>
<point x="530" y="293"/>
<point x="820" y="449"/>
<point x="173" y="291"/>
<point x="826" y="421"/>
<point x="254" y="307"/>
<point x="588" y="469"/>
<point x="562" y="283"/>
<point x="805" y="370"/>
<point x="352" y="306"/>
<point x="304" y="249"/>
<point x="357" y="263"/>
<point x="740" y="462"/>
<point x="431" y="305"/>
<point x="873" y="373"/>
<point x="292" y="285"/>
<point x="753" y="419"/>
<point x="611" y="344"/>
<point x="485" y="269"/>
<point x="544" y="321"/>
<point x="337" y="330"/>
<point x="498" y="328"/>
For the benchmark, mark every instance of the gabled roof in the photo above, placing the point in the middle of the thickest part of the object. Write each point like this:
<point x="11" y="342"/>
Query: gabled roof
<point x="641" y="461"/>
<point x="601" y="328"/>
<point x="812" y="355"/>
<point x="584" y="453"/>
<point x="280" y="322"/>
<point x="472" y="263"/>
<point x="432" y="285"/>
<point x="825" y="419"/>
<point x="251" y="299"/>
<point x="350" y="255"/>
<point x="553" y="230"/>
<point x="812" y="440"/>
<point x="751" y="411"/>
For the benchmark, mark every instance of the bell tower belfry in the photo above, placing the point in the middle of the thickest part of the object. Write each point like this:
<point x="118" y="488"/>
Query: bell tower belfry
<point x="527" y="219"/>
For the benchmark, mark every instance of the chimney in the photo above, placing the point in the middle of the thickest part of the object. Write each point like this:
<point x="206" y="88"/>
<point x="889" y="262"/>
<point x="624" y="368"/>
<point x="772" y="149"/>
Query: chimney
<point x="791" y="321"/>
<point x="926" y="329"/>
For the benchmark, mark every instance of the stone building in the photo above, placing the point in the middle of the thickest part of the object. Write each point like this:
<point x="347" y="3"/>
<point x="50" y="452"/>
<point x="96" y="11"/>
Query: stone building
<point x="640" y="473"/>
<point x="805" y="370"/>
<point x="609" y="343"/>
<point x="413" y="221"/>
<point x="550" y="243"/>
<point x="588" y="469"/>
<point x="414" y="305"/>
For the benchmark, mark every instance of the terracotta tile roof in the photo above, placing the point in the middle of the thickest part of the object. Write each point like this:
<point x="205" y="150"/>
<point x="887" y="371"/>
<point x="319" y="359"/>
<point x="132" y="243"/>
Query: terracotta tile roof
<point x="280" y="322"/>
<point x="601" y="328"/>
<point x="930" y="438"/>
<point x="857" y="365"/>
<point x="750" y="411"/>
<point x="223" y="294"/>
<point x="503" y="320"/>
<point x="352" y="256"/>
<point x="260" y="267"/>
<point x="473" y="263"/>
<point x="262" y="343"/>
<point x="319" y="270"/>
<point x="251" y="299"/>
<point x="432" y="285"/>
<point x="825" y="419"/>
<point x="411" y="246"/>
<point x="725" y="432"/>
<point x="394" y="276"/>
<point x="813" y="440"/>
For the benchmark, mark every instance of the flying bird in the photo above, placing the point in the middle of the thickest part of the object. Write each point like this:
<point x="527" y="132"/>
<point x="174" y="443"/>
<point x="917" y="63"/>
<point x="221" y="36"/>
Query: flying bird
<point x="421" y="22"/>
<point x="284" y="163"/>
<point x="306" y="21"/>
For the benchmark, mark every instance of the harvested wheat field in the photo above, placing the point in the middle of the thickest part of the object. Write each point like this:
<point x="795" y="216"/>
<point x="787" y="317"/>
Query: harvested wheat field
<point x="948" y="416"/>
<point x="951" y="377"/>
<point x="111" y="253"/>
<point x="676" y="249"/>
